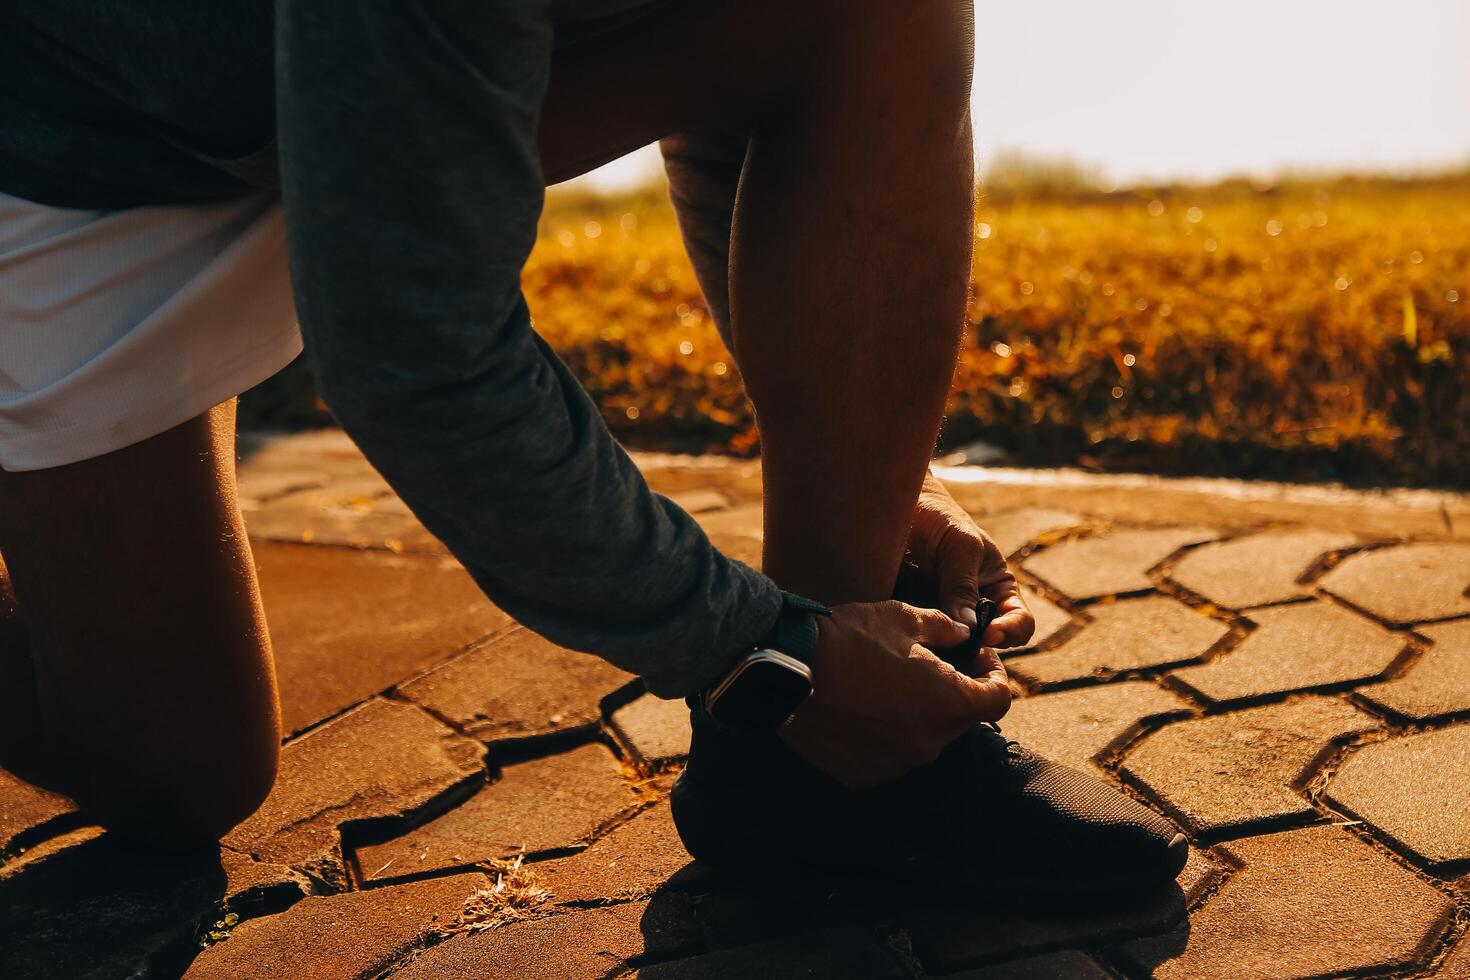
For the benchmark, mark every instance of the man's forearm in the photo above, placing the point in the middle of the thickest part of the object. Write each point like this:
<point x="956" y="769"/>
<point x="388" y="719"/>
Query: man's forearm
<point x="412" y="192"/>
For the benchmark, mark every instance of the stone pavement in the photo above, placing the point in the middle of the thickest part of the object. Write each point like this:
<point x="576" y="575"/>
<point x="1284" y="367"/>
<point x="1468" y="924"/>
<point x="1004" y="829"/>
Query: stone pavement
<point x="1283" y="673"/>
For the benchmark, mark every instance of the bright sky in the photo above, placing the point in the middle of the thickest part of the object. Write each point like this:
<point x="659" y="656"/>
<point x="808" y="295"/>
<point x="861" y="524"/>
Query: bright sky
<point x="1183" y="88"/>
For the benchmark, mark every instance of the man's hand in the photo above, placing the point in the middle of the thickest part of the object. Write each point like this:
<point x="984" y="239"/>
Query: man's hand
<point x="883" y="703"/>
<point x="950" y="549"/>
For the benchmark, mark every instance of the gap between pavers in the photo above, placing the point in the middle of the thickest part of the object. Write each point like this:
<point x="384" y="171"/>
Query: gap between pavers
<point x="1304" y="903"/>
<point x="383" y="760"/>
<point x="552" y="804"/>
<point x="1256" y="569"/>
<point x="516" y="685"/>
<point x="1123" y="636"/>
<point x="334" y="937"/>
<point x="1114" y="564"/>
<point x="1231" y="773"/>
<point x="1414" y="790"/>
<point x="1297" y="647"/>
<point x="1436" y="685"/>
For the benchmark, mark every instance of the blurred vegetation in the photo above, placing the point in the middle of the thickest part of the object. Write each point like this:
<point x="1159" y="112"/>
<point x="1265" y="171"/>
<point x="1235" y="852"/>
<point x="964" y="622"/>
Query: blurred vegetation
<point x="1306" y="329"/>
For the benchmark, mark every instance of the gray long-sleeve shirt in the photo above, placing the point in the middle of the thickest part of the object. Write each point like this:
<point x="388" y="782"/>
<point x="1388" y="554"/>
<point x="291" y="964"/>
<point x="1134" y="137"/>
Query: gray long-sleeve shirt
<point x="412" y="188"/>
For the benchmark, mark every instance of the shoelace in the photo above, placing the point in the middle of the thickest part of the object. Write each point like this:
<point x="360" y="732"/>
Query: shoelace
<point x="1004" y="748"/>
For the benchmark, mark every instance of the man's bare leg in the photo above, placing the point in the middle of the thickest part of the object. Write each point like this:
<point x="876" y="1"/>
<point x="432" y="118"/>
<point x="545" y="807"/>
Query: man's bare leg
<point x="849" y="268"/>
<point x="136" y="669"/>
<point x="850" y="253"/>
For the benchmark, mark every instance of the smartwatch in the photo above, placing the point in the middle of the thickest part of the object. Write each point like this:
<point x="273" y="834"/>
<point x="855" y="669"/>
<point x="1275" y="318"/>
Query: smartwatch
<point x="766" y="685"/>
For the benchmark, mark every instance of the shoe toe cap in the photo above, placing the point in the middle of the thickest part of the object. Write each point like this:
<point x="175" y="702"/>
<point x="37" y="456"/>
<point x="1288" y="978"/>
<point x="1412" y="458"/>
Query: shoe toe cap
<point x="1099" y="827"/>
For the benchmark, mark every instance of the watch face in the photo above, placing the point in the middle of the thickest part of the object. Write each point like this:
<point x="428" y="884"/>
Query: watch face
<point x="762" y="693"/>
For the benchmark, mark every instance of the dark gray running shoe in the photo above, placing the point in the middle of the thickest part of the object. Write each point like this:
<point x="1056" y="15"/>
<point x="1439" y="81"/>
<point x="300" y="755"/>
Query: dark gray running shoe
<point x="986" y="812"/>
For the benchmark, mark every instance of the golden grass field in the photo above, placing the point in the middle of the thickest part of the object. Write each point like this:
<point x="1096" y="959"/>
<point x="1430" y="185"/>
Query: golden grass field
<point x="1310" y="330"/>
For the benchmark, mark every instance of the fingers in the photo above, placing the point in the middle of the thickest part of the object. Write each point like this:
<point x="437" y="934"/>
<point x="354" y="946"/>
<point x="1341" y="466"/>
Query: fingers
<point x="959" y="557"/>
<point x="992" y="691"/>
<point x="979" y="693"/>
<point x="935" y="629"/>
<point x="1013" y="626"/>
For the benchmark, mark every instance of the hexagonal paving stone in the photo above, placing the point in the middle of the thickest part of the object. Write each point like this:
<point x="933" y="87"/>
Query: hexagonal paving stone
<point x="354" y="934"/>
<point x="1133" y="634"/>
<point x="1410" y="583"/>
<point x="572" y="946"/>
<point x="543" y="805"/>
<point x="381" y="759"/>
<point x="1437" y="684"/>
<point x="25" y="808"/>
<point x="1228" y="772"/>
<point x="1015" y="529"/>
<point x="255" y="887"/>
<point x="1295" y="648"/>
<point x="348" y="624"/>
<point x="517" y="685"/>
<point x="1079" y="726"/>
<point x="1066" y="965"/>
<point x="1415" y="790"/>
<point x="655" y="730"/>
<point x="1115" y="564"/>
<point x="1258" y="569"/>
<point x="1307" y="903"/>
<point x="633" y="860"/>
<point x="1051" y="619"/>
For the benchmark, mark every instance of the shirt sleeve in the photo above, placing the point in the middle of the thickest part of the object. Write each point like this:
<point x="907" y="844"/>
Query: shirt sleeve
<point x="412" y="189"/>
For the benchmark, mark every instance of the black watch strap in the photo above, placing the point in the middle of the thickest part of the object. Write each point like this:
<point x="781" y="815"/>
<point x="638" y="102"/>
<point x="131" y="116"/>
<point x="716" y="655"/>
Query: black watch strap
<point x="795" y="631"/>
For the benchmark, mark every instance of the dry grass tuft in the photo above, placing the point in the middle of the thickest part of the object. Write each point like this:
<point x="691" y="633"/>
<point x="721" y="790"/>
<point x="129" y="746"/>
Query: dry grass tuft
<point x="513" y="897"/>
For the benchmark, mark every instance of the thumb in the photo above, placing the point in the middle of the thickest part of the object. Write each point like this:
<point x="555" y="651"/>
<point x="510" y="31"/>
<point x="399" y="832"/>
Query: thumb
<point x="937" y="630"/>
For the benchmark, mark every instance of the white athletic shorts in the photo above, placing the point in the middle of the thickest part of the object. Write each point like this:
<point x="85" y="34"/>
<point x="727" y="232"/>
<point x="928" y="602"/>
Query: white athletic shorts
<point x="118" y="325"/>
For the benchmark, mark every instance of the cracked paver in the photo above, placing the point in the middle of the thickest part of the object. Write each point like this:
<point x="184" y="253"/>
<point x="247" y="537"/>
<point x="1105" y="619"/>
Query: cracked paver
<point x="655" y="730"/>
<point x="546" y="804"/>
<point x="1077" y="727"/>
<point x="1295" y="648"/>
<point x="1131" y="634"/>
<point x="1434" y="686"/>
<point x="579" y="945"/>
<point x="1113" y="564"/>
<point x="1415" y="790"/>
<point x="631" y="861"/>
<point x="381" y="759"/>
<point x="1257" y="569"/>
<point x="1409" y="583"/>
<point x="1305" y="903"/>
<point x="1229" y="772"/>
<point x="332" y="937"/>
<point x="347" y="624"/>
<point x="517" y="685"/>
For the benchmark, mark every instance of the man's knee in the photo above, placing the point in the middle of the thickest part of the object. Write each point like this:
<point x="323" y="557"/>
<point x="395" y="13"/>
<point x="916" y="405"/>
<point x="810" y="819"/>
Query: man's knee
<point x="181" y="802"/>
